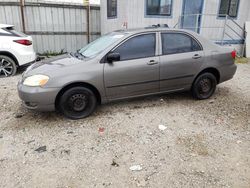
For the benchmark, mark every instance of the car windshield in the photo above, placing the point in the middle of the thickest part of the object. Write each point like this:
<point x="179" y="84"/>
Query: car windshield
<point x="100" y="44"/>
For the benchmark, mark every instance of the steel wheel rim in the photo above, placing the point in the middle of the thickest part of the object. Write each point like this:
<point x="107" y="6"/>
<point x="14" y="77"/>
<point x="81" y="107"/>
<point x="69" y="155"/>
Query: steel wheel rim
<point x="78" y="102"/>
<point x="205" y="86"/>
<point x="6" y="67"/>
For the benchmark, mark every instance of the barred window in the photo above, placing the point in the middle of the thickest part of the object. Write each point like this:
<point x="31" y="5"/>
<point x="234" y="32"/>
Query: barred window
<point x="111" y="8"/>
<point x="159" y="7"/>
<point x="229" y="7"/>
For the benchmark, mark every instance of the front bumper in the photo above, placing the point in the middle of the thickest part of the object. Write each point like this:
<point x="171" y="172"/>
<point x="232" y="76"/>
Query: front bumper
<point x="37" y="98"/>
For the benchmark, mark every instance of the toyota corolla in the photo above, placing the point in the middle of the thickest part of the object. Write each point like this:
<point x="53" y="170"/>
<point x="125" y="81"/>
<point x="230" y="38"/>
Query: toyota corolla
<point x="126" y="64"/>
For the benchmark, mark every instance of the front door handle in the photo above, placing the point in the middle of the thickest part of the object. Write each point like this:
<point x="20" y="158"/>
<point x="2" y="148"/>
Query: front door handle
<point x="196" y="56"/>
<point x="152" y="62"/>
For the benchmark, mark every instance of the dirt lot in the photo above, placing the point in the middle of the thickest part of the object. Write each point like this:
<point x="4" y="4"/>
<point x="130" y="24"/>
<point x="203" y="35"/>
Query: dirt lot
<point x="205" y="143"/>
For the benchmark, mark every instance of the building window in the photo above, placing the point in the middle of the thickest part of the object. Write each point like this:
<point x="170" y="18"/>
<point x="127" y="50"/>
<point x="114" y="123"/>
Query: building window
<point x="112" y="8"/>
<point x="159" y="7"/>
<point x="229" y="7"/>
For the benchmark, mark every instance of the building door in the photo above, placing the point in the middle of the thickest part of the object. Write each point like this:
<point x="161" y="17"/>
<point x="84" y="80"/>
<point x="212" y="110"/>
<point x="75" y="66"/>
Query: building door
<point x="192" y="14"/>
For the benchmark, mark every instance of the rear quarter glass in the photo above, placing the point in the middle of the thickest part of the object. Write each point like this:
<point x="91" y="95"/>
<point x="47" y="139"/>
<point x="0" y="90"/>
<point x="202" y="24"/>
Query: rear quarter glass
<point x="13" y="32"/>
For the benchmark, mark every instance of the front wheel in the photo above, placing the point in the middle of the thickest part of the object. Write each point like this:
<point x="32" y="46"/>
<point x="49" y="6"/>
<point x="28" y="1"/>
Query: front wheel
<point x="7" y="66"/>
<point x="204" y="86"/>
<point x="77" y="103"/>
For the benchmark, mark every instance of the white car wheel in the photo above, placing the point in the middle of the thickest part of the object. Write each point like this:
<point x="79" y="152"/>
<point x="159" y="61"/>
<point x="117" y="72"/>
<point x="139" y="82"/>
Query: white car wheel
<point x="7" y="66"/>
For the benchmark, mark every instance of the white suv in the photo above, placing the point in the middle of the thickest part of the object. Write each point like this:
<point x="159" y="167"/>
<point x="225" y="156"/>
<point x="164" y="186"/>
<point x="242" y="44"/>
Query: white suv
<point x="16" y="49"/>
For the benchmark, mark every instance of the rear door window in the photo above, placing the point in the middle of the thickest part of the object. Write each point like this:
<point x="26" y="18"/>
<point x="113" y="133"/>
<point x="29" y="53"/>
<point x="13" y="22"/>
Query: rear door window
<point x="175" y="43"/>
<point x="141" y="46"/>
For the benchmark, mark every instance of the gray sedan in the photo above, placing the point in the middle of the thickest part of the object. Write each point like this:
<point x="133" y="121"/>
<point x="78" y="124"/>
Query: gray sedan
<point x="126" y="64"/>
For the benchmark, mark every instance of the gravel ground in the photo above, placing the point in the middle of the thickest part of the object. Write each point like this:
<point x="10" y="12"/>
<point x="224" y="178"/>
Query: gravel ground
<point x="205" y="143"/>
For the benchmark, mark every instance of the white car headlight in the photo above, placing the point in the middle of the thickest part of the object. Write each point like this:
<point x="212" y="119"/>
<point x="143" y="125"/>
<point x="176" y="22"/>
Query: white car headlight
<point x="36" y="80"/>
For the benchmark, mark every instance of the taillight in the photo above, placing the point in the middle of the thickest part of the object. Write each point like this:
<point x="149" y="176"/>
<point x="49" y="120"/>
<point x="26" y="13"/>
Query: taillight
<point x="234" y="53"/>
<point x="24" y="42"/>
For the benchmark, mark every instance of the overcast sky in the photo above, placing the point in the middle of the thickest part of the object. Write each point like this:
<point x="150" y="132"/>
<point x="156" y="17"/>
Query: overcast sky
<point x="95" y="1"/>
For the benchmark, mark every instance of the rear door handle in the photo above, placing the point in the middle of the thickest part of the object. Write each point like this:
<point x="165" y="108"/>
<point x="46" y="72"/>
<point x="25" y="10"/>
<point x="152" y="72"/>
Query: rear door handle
<point x="152" y="62"/>
<point x="196" y="56"/>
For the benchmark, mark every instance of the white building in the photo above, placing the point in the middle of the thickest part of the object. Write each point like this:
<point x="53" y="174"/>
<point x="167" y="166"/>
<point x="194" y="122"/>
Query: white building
<point x="208" y="17"/>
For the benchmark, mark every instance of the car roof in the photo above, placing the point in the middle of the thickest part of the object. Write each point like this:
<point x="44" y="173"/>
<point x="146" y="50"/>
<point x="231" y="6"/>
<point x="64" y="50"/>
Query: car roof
<point x="151" y="29"/>
<point x="5" y="26"/>
<point x="204" y="41"/>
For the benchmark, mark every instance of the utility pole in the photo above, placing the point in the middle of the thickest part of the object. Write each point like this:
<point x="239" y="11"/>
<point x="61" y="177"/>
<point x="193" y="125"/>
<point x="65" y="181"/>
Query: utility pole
<point x="87" y="4"/>
<point x="22" y="15"/>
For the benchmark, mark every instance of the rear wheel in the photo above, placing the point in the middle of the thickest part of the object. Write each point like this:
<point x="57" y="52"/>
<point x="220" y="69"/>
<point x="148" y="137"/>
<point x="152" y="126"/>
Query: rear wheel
<point x="204" y="86"/>
<point x="77" y="103"/>
<point x="7" y="66"/>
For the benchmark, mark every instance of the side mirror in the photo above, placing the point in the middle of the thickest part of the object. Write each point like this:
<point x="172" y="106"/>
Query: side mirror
<point x="113" y="57"/>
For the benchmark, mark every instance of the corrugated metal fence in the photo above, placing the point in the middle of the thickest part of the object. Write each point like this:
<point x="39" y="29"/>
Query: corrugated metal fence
<point x="54" y="27"/>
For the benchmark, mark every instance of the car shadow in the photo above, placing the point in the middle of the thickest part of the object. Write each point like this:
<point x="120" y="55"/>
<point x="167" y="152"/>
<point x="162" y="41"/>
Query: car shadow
<point x="126" y="107"/>
<point x="144" y="102"/>
<point x="106" y="109"/>
<point x="21" y="69"/>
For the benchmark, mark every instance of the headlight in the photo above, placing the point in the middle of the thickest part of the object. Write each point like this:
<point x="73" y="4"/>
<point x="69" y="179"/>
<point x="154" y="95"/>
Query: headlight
<point x="36" y="80"/>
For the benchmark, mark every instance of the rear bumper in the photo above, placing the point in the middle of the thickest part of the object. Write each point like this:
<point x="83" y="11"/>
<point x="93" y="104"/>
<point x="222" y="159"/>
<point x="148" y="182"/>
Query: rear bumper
<point x="26" y="58"/>
<point x="36" y="98"/>
<point x="227" y="72"/>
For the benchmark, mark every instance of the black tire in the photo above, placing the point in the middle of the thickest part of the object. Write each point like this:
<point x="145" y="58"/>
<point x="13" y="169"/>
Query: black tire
<point x="8" y="66"/>
<point x="77" y="103"/>
<point x="204" y="86"/>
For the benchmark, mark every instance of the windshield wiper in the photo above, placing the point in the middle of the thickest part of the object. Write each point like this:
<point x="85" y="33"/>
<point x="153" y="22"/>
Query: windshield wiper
<point x="77" y="55"/>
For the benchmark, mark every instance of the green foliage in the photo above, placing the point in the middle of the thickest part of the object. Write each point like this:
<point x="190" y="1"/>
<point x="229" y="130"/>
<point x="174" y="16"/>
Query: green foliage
<point x="52" y="53"/>
<point x="241" y="60"/>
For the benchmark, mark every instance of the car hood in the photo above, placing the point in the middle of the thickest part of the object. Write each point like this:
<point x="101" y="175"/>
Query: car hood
<point x="51" y="64"/>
